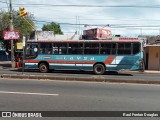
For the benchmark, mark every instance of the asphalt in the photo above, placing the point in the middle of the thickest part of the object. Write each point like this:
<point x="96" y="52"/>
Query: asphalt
<point x="96" y="78"/>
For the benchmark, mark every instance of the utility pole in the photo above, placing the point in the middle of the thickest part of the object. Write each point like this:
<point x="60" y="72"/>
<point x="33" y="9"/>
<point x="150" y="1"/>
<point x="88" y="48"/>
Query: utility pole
<point x="141" y="31"/>
<point x="76" y="25"/>
<point x="12" y="42"/>
<point x="79" y="26"/>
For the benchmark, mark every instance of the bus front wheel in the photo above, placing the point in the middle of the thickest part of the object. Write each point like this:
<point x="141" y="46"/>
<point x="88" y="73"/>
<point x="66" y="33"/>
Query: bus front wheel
<point x="99" y="69"/>
<point x="43" y="68"/>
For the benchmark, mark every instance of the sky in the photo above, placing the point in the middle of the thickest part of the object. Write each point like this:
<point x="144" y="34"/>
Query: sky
<point x="121" y="20"/>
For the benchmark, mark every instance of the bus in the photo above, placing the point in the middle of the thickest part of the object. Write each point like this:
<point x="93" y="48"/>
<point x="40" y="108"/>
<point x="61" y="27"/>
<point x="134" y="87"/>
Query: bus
<point x="88" y="55"/>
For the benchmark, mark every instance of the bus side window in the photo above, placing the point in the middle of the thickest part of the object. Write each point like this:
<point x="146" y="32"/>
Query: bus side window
<point x="55" y="48"/>
<point x="55" y="51"/>
<point x="136" y="48"/>
<point x="40" y="51"/>
<point x="105" y="48"/>
<point x="45" y="48"/>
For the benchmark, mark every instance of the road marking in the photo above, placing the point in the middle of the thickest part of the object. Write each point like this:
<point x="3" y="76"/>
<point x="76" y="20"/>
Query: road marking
<point x="25" y="93"/>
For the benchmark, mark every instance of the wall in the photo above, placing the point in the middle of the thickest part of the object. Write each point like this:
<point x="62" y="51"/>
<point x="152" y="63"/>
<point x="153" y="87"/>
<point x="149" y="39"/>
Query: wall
<point x="154" y="58"/>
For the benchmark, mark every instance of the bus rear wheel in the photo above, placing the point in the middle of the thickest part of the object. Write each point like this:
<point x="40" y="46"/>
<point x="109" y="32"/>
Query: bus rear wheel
<point x="99" y="69"/>
<point x="43" y="68"/>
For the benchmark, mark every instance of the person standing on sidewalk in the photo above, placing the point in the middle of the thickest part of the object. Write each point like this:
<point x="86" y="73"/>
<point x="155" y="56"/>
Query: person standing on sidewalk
<point x="7" y="55"/>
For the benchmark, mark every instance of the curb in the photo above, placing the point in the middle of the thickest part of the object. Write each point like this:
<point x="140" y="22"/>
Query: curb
<point x="139" y="72"/>
<point x="84" y="79"/>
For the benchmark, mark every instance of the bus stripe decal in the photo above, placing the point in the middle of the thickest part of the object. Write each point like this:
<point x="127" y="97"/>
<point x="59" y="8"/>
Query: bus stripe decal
<point x="70" y="62"/>
<point x="118" y="59"/>
<point x="109" y="59"/>
<point x="32" y="61"/>
<point x="61" y="62"/>
<point x="87" y="65"/>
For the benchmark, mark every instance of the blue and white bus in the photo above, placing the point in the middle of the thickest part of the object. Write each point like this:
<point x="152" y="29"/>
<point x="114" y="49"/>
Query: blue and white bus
<point x="89" y="55"/>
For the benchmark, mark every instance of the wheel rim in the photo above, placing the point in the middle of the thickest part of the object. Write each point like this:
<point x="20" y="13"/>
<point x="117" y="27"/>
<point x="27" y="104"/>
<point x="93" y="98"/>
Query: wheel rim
<point x="99" y="69"/>
<point x="43" y="68"/>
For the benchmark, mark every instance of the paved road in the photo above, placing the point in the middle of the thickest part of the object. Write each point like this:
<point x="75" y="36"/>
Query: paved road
<point x="130" y="76"/>
<point x="36" y="95"/>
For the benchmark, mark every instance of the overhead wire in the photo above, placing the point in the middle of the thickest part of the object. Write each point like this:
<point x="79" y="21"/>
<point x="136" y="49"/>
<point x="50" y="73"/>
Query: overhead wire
<point x="7" y="5"/>
<point x="120" y="26"/>
<point x="107" y="25"/>
<point x="76" y="5"/>
<point x="107" y="6"/>
<point x="99" y="6"/>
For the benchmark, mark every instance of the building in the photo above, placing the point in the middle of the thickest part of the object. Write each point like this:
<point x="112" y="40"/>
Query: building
<point x="49" y="35"/>
<point x="97" y="33"/>
<point x="152" y="53"/>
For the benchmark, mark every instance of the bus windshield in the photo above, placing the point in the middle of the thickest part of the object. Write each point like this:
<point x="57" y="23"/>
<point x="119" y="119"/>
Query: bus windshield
<point x="31" y="50"/>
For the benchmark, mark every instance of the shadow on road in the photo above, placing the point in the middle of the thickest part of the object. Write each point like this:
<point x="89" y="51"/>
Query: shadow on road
<point x="69" y="72"/>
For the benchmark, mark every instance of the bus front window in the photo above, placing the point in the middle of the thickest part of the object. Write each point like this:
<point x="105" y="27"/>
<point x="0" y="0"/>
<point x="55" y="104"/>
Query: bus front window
<point x="31" y="51"/>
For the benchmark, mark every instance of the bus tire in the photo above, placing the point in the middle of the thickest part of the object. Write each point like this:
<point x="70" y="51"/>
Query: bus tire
<point x="43" y="67"/>
<point x="99" y="69"/>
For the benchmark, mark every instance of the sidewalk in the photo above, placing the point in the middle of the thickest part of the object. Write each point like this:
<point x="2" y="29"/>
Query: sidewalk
<point x="95" y="78"/>
<point x="7" y="65"/>
<point x="138" y="72"/>
<point x="151" y="71"/>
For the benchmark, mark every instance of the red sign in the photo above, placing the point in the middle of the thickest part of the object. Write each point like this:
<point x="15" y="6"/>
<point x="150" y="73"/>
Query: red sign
<point x="98" y="33"/>
<point x="11" y="35"/>
<point x="128" y="38"/>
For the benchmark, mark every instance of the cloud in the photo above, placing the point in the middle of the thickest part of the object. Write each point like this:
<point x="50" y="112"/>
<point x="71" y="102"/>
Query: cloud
<point x="97" y="15"/>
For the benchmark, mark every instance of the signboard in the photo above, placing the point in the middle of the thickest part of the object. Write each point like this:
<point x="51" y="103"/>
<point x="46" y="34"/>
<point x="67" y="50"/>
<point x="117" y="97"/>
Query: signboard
<point x="19" y="46"/>
<point x="97" y="33"/>
<point x="11" y="35"/>
<point x="127" y="38"/>
<point x="42" y="35"/>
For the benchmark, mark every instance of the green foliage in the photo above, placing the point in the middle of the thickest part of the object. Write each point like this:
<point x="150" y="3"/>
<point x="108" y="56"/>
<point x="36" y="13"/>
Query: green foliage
<point x="52" y="27"/>
<point x="18" y="23"/>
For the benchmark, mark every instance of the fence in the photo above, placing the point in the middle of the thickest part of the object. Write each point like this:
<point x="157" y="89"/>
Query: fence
<point x="4" y="57"/>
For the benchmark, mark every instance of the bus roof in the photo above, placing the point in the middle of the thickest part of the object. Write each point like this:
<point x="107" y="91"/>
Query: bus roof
<point x="81" y="41"/>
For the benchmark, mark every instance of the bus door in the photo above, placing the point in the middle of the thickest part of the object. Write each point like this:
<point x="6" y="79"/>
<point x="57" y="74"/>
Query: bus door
<point x="30" y="54"/>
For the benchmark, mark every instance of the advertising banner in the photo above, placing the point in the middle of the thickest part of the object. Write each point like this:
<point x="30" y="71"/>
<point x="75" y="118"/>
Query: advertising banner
<point x="11" y="35"/>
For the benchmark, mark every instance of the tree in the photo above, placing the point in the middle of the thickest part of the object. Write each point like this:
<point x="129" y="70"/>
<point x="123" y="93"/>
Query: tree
<point x="55" y="27"/>
<point x="18" y="23"/>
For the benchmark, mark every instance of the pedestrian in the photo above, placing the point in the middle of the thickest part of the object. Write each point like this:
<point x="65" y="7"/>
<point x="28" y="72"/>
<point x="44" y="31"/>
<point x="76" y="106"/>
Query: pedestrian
<point x="7" y="55"/>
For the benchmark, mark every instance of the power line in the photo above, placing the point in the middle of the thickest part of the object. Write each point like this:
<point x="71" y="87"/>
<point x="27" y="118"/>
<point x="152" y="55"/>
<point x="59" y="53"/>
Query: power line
<point x="107" y="25"/>
<point x="109" y="6"/>
<point x="74" y="5"/>
<point x="81" y="18"/>
<point x="7" y="5"/>
<point x="101" y="19"/>
<point x="3" y="2"/>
